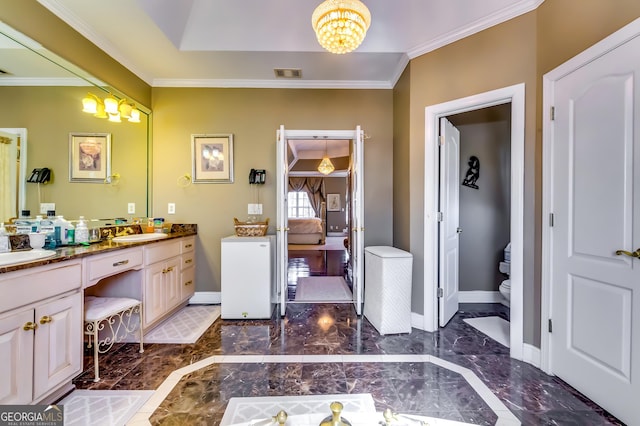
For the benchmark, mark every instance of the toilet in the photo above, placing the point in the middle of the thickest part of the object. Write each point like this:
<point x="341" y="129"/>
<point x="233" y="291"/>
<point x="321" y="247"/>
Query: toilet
<point x="505" y="268"/>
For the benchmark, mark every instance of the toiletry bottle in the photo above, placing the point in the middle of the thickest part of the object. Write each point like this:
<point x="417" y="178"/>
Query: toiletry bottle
<point x="70" y="234"/>
<point x="149" y="225"/>
<point x="62" y="226"/>
<point x="82" y="232"/>
<point x="47" y="227"/>
<point x="158" y="223"/>
<point x="23" y="224"/>
<point x="4" y="239"/>
<point x="35" y="225"/>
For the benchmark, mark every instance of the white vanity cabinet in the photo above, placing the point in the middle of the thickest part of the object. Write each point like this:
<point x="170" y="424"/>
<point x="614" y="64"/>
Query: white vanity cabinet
<point x="162" y="286"/>
<point x="40" y="332"/>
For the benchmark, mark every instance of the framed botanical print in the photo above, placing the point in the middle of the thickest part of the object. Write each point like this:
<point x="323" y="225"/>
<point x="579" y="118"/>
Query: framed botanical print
<point x="89" y="157"/>
<point x="212" y="157"/>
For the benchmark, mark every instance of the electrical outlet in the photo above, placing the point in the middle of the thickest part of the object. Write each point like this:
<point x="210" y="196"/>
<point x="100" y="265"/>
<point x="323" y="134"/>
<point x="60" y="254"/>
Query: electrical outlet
<point x="131" y="208"/>
<point x="45" y="207"/>
<point x="254" y="209"/>
<point x="171" y="208"/>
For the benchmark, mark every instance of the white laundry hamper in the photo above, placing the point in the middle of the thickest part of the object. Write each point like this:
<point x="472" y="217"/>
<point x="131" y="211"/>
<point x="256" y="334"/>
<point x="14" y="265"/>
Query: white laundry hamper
<point x="387" y="289"/>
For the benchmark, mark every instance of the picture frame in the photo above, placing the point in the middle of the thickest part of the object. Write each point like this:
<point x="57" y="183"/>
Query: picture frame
<point x="212" y="158"/>
<point x="89" y="157"/>
<point x="333" y="202"/>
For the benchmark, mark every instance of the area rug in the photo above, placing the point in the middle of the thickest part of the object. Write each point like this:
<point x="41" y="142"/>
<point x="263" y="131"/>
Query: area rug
<point x="102" y="407"/>
<point x="495" y="327"/>
<point x="322" y="289"/>
<point x="257" y="409"/>
<point x="185" y="326"/>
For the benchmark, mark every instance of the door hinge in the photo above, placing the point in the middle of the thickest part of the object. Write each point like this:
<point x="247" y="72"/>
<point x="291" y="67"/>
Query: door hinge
<point x="552" y="113"/>
<point x="439" y="217"/>
<point x="550" y="326"/>
<point x="551" y="218"/>
<point x="441" y="140"/>
<point x="440" y="292"/>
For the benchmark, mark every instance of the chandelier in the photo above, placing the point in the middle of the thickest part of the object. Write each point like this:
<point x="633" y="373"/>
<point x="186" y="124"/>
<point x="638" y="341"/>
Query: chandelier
<point x="326" y="166"/>
<point x="341" y="25"/>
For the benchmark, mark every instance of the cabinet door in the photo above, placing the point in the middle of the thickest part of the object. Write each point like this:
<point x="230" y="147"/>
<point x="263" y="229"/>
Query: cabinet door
<point x="172" y="283"/>
<point x="16" y="359"/>
<point x="58" y="343"/>
<point x="153" y="305"/>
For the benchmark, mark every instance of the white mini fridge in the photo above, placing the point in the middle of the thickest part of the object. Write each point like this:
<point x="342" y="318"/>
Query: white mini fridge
<point x="248" y="277"/>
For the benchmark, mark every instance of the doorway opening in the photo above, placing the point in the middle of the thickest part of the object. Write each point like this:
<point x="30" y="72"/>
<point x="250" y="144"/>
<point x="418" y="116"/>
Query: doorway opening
<point x="512" y="96"/>
<point x="319" y="227"/>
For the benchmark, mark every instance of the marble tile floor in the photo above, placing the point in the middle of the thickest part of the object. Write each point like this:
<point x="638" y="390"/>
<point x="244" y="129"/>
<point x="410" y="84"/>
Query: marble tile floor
<point x="321" y="349"/>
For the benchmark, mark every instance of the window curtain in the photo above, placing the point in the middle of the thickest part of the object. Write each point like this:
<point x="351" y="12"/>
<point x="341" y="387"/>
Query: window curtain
<point x="314" y="188"/>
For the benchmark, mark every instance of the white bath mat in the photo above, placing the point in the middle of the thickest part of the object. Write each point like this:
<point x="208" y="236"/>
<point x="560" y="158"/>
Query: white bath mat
<point x="241" y="410"/>
<point x="185" y="326"/>
<point x="102" y="407"/>
<point x="494" y="327"/>
<point x="322" y="289"/>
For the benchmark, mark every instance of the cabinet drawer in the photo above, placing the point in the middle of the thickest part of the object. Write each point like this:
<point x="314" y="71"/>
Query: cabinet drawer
<point x="160" y="251"/>
<point x="188" y="244"/>
<point x="188" y="260"/>
<point x="110" y="264"/>
<point x="187" y="283"/>
<point x="20" y="288"/>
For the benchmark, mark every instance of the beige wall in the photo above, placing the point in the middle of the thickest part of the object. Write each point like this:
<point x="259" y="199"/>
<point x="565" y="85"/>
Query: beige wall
<point x="253" y="116"/>
<point x="520" y="50"/>
<point x="401" y="172"/>
<point x="50" y="114"/>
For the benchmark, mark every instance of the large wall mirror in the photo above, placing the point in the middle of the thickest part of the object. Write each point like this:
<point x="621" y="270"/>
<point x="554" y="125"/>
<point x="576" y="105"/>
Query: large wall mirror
<point x="41" y="106"/>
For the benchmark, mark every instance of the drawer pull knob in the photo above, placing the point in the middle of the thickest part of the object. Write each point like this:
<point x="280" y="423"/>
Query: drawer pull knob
<point x="188" y="245"/>
<point x="45" y="319"/>
<point x="30" y="326"/>
<point x="188" y="261"/>
<point x="189" y="282"/>
<point x="122" y="262"/>
<point x="167" y="270"/>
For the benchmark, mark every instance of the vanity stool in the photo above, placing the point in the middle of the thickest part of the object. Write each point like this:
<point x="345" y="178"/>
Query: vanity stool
<point x="112" y="315"/>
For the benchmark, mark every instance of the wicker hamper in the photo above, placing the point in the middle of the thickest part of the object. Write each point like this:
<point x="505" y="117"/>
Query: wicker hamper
<point x="251" y="229"/>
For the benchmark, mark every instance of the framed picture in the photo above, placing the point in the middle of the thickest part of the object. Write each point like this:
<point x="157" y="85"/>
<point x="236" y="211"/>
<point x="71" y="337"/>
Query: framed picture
<point x="89" y="157"/>
<point x="333" y="202"/>
<point x="212" y="157"/>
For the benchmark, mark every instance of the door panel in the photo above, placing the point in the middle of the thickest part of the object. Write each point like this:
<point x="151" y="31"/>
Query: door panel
<point x="595" y="296"/>
<point x="282" y="169"/>
<point x="449" y="206"/>
<point x="357" y="234"/>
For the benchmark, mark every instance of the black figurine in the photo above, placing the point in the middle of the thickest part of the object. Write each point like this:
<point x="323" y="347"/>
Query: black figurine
<point x="473" y="173"/>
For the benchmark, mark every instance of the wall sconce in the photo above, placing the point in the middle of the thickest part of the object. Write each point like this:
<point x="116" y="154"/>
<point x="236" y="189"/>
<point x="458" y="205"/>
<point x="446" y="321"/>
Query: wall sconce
<point x="110" y="107"/>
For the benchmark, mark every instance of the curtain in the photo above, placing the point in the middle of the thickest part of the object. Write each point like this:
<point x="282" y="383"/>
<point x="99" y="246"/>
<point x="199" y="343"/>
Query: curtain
<point x="313" y="187"/>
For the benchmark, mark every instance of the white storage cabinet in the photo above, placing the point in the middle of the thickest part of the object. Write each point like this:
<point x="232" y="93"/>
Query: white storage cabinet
<point x="247" y="278"/>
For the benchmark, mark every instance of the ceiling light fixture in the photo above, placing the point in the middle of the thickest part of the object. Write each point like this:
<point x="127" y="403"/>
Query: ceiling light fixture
<point x="326" y="166"/>
<point x="341" y="25"/>
<point x="110" y="107"/>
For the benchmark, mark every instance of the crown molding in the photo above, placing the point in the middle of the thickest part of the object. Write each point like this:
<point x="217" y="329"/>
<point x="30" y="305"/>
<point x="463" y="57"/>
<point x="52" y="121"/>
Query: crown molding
<point x="474" y="27"/>
<point x="272" y="84"/>
<point x="35" y="81"/>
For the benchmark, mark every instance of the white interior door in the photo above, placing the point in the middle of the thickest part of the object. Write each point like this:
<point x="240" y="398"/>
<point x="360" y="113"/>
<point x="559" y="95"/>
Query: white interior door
<point x="449" y="232"/>
<point x="282" y="170"/>
<point x="595" y="200"/>
<point x="357" y="230"/>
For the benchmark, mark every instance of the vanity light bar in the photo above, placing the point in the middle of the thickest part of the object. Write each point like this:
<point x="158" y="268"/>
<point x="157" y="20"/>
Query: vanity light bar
<point x="110" y="108"/>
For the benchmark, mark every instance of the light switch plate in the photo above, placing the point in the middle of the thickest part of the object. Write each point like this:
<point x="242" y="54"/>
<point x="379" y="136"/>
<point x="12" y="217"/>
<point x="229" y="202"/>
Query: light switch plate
<point x="45" y="207"/>
<point x="254" y="209"/>
<point x="131" y="208"/>
<point x="171" y="208"/>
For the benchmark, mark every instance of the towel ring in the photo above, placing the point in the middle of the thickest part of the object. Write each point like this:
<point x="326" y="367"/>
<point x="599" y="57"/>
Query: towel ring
<point x="184" y="180"/>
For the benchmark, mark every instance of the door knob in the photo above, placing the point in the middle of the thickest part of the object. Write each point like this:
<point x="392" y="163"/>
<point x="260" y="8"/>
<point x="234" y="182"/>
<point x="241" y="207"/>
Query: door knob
<point x="459" y="230"/>
<point x="635" y="254"/>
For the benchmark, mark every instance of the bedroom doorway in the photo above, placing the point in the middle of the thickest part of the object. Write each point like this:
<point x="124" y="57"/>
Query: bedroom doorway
<point x="319" y="218"/>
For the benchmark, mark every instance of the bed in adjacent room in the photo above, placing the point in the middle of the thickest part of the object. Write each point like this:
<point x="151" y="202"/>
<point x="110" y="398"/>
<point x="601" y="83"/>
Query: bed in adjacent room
<point x="310" y="230"/>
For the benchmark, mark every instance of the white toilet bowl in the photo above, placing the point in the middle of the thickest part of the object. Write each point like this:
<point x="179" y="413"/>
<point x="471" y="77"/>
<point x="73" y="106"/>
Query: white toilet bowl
<point x="505" y="290"/>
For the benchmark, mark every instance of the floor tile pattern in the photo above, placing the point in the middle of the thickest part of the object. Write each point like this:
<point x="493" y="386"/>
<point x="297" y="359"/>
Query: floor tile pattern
<point x="326" y="332"/>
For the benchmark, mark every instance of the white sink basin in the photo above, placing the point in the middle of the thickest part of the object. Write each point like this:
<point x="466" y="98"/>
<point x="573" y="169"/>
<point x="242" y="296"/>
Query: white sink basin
<point x="16" y="257"/>
<point x="139" y="237"/>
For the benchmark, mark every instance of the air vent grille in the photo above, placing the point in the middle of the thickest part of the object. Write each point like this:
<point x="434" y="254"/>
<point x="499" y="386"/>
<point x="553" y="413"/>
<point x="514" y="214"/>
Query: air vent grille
<point x="288" y="72"/>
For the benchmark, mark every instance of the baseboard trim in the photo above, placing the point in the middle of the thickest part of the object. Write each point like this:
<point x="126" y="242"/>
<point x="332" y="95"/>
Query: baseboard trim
<point x="417" y="321"/>
<point x="206" y="298"/>
<point x="478" y="296"/>
<point x="531" y="355"/>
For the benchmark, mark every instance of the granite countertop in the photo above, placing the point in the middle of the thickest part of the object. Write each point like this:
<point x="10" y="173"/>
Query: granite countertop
<point x="65" y="253"/>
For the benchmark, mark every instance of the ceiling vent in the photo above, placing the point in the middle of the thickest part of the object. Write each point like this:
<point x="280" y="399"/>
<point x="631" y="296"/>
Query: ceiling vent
<point x="288" y="72"/>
